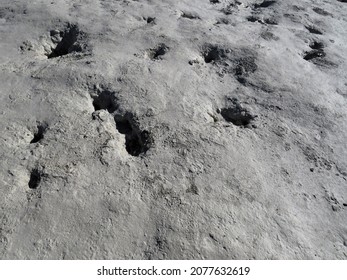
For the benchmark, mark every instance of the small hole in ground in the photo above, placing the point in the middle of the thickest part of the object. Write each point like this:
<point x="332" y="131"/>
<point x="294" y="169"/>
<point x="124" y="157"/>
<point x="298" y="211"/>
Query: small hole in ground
<point x="158" y="52"/>
<point x="316" y="45"/>
<point x="313" y="30"/>
<point x="137" y="142"/>
<point x="213" y="54"/>
<point x="237" y="115"/>
<point x="67" y="41"/>
<point x="39" y="133"/>
<point x="35" y="179"/>
<point x="264" y="4"/>
<point x="149" y="19"/>
<point x="319" y="53"/>
<point x="124" y="126"/>
<point x="105" y="100"/>
<point x="240" y="62"/>
<point x="253" y="19"/>
<point x="189" y="15"/>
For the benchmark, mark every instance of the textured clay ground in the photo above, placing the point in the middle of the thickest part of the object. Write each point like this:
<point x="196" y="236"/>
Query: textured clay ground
<point x="157" y="129"/>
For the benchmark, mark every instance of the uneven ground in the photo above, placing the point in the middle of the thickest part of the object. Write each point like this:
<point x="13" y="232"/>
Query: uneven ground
<point x="190" y="129"/>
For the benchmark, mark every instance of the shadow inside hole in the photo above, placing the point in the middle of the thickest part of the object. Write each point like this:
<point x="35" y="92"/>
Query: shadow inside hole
<point x="315" y="53"/>
<point x="189" y="15"/>
<point x="265" y="4"/>
<point x="213" y="53"/>
<point x="39" y="134"/>
<point x="137" y="142"/>
<point x="158" y="52"/>
<point x="35" y="179"/>
<point x="313" y="30"/>
<point x="253" y="19"/>
<point x="237" y="117"/>
<point x="68" y="43"/>
<point x="236" y="114"/>
<point x="105" y="100"/>
<point x="149" y="19"/>
<point x="124" y="126"/>
<point x="316" y="45"/>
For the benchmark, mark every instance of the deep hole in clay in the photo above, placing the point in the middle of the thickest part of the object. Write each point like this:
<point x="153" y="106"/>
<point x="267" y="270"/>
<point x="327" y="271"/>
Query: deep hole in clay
<point x="253" y="19"/>
<point x="105" y="100"/>
<point x="264" y="4"/>
<point x="319" y="53"/>
<point x="236" y="114"/>
<point x="158" y="52"/>
<point x="313" y="30"/>
<point x="189" y="15"/>
<point x="213" y="54"/>
<point x="39" y="133"/>
<point x="137" y="142"/>
<point x="240" y="62"/>
<point x="316" y="45"/>
<point x="124" y="126"/>
<point x="35" y="179"/>
<point x="68" y="42"/>
<point x="149" y="19"/>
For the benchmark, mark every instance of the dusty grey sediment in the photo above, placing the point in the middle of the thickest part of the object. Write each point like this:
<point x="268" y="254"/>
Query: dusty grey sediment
<point x="173" y="129"/>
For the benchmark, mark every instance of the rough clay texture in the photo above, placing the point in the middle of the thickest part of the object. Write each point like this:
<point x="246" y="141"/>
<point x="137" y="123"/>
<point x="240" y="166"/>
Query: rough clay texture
<point x="157" y="129"/>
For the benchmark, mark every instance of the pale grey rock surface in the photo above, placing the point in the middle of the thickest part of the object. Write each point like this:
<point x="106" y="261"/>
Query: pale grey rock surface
<point x="173" y="129"/>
